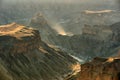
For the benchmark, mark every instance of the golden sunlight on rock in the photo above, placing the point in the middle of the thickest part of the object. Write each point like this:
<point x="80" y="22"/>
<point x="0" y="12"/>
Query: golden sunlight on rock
<point x="76" y="68"/>
<point x="98" y="12"/>
<point x="110" y="59"/>
<point x="10" y="28"/>
<point x="100" y="69"/>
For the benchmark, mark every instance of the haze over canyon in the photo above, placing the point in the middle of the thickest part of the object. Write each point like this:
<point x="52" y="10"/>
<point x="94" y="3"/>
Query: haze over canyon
<point x="59" y="40"/>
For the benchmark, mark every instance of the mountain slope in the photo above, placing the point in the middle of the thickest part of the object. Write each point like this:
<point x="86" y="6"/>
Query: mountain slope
<point x="23" y="56"/>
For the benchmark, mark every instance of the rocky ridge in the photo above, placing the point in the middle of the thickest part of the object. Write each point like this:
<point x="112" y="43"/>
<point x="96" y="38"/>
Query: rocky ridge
<point x="100" y="69"/>
<point x="24" y="56"/>
<point x="40" y="23"/>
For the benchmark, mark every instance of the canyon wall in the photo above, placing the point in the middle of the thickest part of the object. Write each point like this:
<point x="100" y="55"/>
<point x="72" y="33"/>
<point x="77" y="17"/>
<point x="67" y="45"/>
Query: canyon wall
<point x="95" y="40"/>
<point x="24" y="56"/>
<point x="100" y="69"/>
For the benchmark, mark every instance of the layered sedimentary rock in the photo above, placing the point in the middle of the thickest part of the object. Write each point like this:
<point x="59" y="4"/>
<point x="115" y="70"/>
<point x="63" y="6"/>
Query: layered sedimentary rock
<point x="75" y="22"/>
<point x="24" y="56"/>
<point x="97" y="40"/>
<point x="86" y="47"/>
<point x="101" y="32"/>
<point x="18" y="39"/>
<point x="100" y="69"/>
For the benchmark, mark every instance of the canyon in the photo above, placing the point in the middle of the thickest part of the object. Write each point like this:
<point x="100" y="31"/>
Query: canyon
<point x="44" y="54"/>
<point x="24" y="56"/>
<point x="59" y="40"/>
<point x="95" y="40"/>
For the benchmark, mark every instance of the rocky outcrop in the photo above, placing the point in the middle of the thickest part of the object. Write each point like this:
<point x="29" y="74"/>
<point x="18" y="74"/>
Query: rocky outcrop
<point x="101" y="32"/>
<point x="100" y="69"/>
<point x="24" y="56"/>
<point x="18" y="39"/>
<point x="40" y="23"/>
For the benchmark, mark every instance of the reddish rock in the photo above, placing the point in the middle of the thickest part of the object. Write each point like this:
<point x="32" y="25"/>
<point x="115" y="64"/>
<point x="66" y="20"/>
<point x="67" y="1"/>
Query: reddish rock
<point x="100" y="69"/>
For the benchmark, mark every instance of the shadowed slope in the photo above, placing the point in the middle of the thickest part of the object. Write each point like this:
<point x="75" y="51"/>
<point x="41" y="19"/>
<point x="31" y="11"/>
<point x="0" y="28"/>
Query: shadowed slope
<point x="25" y="57"/>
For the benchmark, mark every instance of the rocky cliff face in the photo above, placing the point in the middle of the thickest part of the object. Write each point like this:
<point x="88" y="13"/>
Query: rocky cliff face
<point x="101" y="32"/>
<point x="24" y="56"/>
<point x="40" y="23"/>
<point x="97" y="40"/>
<point x="100" y="69"/>
<point x="18" y="39"/>
<point x="75" y="22"/>
<point x="86" y="47"/>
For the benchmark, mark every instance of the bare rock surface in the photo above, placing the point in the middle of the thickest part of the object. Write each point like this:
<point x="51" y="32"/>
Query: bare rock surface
<point x="100" y="69"/>
<point x="24" y="56"/>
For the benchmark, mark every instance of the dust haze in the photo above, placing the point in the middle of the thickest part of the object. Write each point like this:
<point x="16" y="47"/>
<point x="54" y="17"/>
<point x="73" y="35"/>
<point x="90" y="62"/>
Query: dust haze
<point x="60" y="12"/>
<point x="118" y="3"/>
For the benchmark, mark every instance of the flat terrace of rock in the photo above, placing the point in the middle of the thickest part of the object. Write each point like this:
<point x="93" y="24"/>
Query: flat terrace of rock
<point x="15" y="30"/>
<point x="16" y="38"/>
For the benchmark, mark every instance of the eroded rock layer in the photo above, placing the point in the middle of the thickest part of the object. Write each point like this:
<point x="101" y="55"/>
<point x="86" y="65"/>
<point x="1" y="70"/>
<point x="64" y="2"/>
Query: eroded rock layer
<point x="24" y="56"/>
<point x="100" y="69"/>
